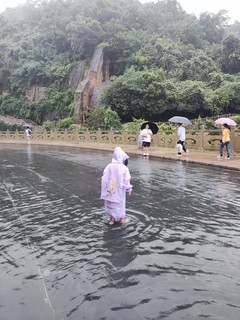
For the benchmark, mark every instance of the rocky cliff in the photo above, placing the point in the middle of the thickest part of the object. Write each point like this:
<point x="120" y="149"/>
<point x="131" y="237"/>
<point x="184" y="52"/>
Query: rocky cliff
<point x="86" y="83"/>
<point x="89" y="89"/>
<point x="35" y="93"/>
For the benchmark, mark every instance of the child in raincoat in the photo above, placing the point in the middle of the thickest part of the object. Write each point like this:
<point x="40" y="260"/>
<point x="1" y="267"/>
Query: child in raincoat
<point x="115" y="184"/>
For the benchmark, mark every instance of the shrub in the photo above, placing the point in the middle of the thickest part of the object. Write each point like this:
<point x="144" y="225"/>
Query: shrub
<point x="65" y="123"/>
<point x="103" y="118"/>
<point x="134" y="125"/>
<point x="11" y="127"/>
<point x="166" y="126"/>
<point x="237" y="119"/>
<point x="48" y="125"/>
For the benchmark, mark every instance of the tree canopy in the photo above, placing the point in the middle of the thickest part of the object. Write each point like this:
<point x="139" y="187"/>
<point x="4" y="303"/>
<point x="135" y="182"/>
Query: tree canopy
<point x="162" y="60"/>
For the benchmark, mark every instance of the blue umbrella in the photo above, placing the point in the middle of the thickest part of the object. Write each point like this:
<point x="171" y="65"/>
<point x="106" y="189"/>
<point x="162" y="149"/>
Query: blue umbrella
<point x="178" y="119"/>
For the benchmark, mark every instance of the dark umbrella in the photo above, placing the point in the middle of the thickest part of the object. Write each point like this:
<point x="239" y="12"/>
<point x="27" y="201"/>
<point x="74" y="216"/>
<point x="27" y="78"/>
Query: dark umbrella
<point x="152" y="126"/>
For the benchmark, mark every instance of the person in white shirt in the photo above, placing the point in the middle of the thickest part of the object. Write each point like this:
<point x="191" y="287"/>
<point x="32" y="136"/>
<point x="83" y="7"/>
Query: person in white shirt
<point x="28" y="134"/>
<point x="146" y="139"/>
<point x="181" y="133"/>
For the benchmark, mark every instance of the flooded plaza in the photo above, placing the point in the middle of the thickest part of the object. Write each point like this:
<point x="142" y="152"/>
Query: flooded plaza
<point x="178" y="257"/>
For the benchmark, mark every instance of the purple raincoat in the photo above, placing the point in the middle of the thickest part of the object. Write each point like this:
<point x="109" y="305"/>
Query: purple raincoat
<point x="115" y="184"/>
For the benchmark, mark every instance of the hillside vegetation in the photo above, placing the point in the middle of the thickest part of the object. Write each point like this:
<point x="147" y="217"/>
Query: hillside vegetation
<point x="163" y="61"/>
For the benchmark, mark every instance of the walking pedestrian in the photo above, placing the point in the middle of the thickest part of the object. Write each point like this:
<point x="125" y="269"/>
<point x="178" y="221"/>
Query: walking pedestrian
<point x="181" y="137"/>
<point x="115" y="184"/>
<point x="225" y="141"/>
<point x="28" y="134"/>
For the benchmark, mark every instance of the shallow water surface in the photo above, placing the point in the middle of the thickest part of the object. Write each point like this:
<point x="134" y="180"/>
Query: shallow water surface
<point x="177" y="257"/>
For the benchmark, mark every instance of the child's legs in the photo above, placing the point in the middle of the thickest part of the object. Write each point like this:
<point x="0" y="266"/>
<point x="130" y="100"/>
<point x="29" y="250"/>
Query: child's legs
<point x="146" y="146"/>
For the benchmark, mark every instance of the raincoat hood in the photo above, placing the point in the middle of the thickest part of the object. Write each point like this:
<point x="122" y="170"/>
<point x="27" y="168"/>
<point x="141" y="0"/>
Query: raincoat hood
<point x="119" y="156"/>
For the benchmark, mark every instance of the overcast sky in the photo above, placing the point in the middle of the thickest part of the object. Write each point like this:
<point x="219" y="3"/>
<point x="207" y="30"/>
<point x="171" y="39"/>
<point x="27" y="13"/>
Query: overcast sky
<point x="9" y="3"/>
<point x="197" y="6"/>
<point x="190" y="6"/>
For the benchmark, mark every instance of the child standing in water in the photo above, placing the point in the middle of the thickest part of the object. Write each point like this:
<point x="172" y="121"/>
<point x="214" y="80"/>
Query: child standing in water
<point x="115" y="185"/>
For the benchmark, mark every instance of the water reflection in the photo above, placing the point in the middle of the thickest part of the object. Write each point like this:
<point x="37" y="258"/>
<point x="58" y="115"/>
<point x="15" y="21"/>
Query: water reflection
<point x="176" y="258"/>
<point x="120" y="249"/>
<point x="29" y="155"/>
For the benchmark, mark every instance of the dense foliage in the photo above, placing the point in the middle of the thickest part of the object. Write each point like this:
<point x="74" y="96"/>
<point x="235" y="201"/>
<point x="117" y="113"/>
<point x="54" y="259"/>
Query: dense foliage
<point x="103" y="118"/>
<point x="164" y="61"/>
<point x="11" y="127"/>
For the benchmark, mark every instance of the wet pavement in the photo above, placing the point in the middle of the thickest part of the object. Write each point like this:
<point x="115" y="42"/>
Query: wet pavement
<point x="176" y="258"/>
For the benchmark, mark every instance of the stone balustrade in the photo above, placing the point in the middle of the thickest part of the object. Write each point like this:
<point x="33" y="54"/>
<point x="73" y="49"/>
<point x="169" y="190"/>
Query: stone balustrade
<point x="204" y="140"/>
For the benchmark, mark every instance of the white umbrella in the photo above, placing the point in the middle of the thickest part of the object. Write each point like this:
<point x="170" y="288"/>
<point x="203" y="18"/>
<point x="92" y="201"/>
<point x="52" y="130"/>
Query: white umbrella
<point x="178" y="119"/>
<point x="27" y="125"/>
<point x="228" y="121"/>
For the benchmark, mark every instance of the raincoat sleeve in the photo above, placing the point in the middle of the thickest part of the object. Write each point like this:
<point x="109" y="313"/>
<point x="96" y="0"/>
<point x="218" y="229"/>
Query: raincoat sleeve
<point x="104" y="182"/>
<point x="126" y="181"/>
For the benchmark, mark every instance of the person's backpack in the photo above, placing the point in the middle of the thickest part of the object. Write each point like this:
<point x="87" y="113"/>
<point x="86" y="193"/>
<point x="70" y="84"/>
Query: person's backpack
<point x="29" y="131"/>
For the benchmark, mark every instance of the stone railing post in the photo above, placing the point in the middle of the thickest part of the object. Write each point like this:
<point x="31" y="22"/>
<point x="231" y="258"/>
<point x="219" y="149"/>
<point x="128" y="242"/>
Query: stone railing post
<point x="98" y="135"/>
<point x="8" y="134"/>
<point x="65" y="135"/>
<point x="17" y="134"/>
<point x="110" y="136"/>
<point x="154" y="140"/>
<point x="87" y="135"/>
<point x="201" y="142"/>
<point x="232" y="138"/>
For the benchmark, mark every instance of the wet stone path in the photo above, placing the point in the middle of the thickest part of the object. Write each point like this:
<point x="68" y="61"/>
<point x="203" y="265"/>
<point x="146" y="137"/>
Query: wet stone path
<point x="177" y="257"/>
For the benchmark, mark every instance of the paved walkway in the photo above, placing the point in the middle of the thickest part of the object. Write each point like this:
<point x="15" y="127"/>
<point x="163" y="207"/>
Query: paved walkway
<point x="194" y="156"/>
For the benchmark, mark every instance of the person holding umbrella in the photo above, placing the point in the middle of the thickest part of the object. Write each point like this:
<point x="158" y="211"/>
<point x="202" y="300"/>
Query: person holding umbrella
<point x="146" y="139"/>
<point x="28" y="133"/>
<point x="181" y="133"/>
<point x="225" y="141"/>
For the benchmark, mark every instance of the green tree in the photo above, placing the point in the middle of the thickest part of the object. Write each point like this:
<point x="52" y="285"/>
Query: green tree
<point x="213" y="25"/>
<point x="188" y="31"/>
<point x="234" y="28"/>
<point x="84" y="35"/>
<point x="103" y="118"/>
<point x="194" y="99"/>
<point x="226" y="99"/>
<point x="162" y="13"/>
<point x="141" y="94"/>
<point x="198" y="67"/>
<point x="230" y="60"/>
<point x="59" y="103"/>
<point x="121" y="49"/>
